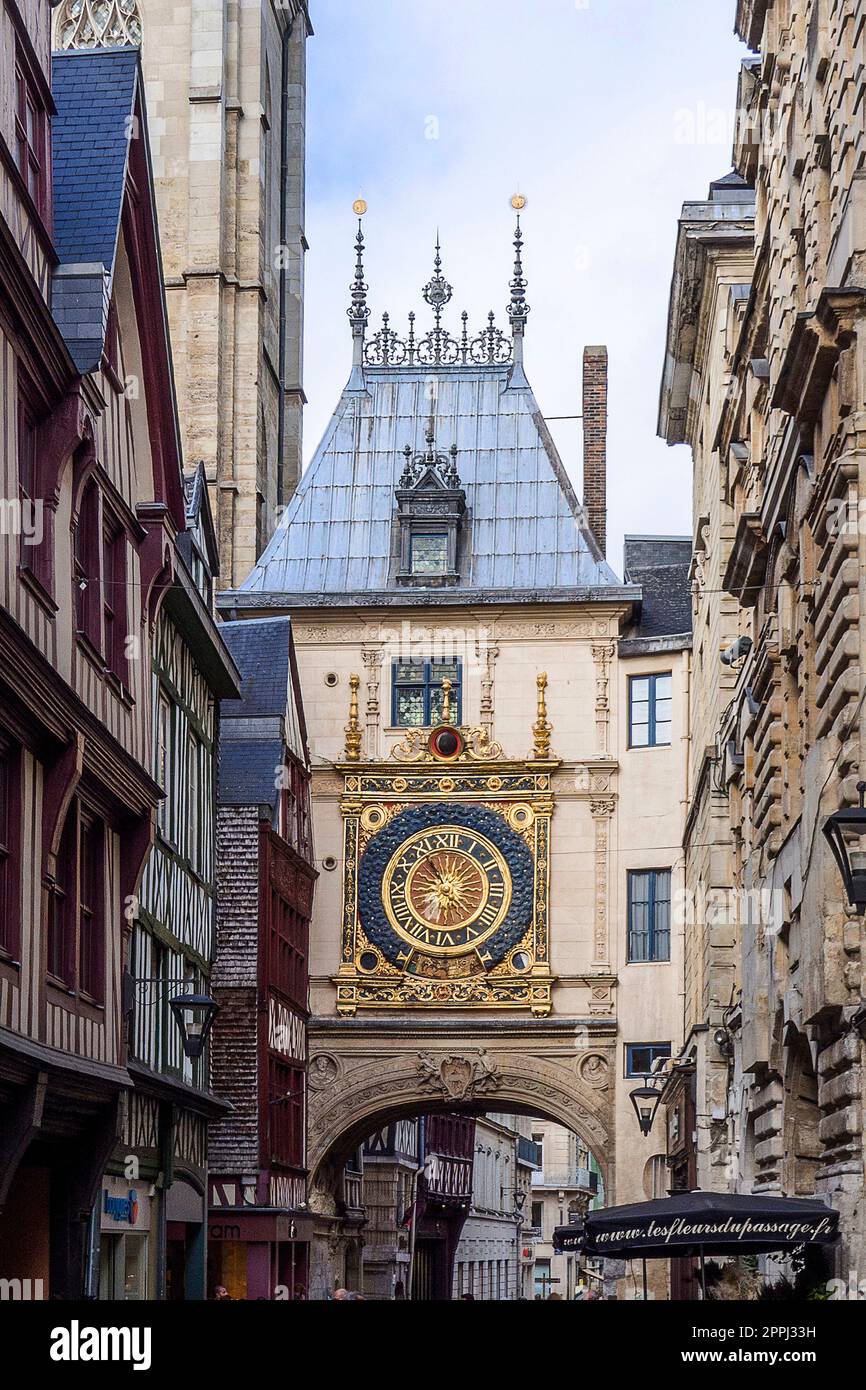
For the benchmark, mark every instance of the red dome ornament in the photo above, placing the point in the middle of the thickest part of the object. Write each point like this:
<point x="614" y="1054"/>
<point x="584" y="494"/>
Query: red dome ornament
<point x="446" y="743"/>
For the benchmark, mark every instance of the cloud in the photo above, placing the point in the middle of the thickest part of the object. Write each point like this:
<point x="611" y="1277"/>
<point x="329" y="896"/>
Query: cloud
<point x="436" y="113"/>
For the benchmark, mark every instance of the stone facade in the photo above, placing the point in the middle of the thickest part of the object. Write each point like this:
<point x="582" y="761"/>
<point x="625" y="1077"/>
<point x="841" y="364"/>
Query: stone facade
<point x="226" y="116"/>
<point x="709" y="295"/>
<point x="487" y="1263"/>
<point x="779" y="436"/>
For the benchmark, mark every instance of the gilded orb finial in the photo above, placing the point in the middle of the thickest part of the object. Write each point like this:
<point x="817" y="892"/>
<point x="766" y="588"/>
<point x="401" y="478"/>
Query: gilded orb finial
<point x="542" y="728"/>
<point x="353" y="728"/>
<point x="359" y="207"/>
<point x="518" y="202"/>
<point x="447" y="687"/>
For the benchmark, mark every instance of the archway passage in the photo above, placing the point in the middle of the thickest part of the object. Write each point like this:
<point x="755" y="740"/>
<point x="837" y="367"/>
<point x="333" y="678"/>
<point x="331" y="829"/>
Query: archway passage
<point x="370" y="1080"/>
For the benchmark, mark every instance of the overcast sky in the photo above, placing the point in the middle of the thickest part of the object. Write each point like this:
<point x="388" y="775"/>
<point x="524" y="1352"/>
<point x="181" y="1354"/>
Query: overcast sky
<point x="606" y="114"/>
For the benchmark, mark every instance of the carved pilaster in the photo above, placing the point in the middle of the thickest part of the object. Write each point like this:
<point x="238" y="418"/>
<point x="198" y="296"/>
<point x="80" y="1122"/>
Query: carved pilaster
<point x="373" y="657"/>
<point x="602" y="810"/>
<point x="602" y="654"/>
<point x="487" y="652"/>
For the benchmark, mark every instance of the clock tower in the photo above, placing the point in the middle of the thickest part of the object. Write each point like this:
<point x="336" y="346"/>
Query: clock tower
<point x="446" y="885"/>
<point x="495" y="722"/>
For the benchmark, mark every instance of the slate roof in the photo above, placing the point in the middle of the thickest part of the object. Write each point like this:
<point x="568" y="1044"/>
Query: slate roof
<point x="94" y="91"/>
<point x="526" y="530"/>
<point x="661" y="565"/>
<point x="255" y="728"/>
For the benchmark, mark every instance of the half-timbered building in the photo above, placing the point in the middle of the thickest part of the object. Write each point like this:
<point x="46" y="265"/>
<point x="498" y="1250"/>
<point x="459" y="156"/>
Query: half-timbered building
<point x="165" y="1144"/>
<point x="92" y="497"/>
<point x="259" y="1226"/>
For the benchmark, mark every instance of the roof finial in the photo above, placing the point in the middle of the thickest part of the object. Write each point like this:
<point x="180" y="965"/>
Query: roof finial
<point x="437" y="293"/>
<point x="359" y="310"/>
<point x="518" y="309"/>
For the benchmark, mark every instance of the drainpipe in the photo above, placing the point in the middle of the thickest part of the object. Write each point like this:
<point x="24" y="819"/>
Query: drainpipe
<point x="284" y="217"/>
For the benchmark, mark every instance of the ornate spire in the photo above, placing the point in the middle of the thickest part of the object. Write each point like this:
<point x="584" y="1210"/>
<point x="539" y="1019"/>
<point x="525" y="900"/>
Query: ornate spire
<point x="353" y="728"/>
<point x="542" y="728"/>
<point x="445" y="465"/>
<point x="359" y="309"/>
<point x="518" y="309"/>
<point x="447" y="687"/>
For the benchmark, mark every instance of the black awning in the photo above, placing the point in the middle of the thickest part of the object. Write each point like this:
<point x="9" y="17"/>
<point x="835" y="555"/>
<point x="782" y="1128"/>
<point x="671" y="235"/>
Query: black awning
<point x="718" y="1223"/>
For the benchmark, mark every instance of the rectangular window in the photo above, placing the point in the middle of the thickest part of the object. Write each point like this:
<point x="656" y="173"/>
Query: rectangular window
<point x="163" y="762"/>
<point x="76" y="907"/>
<point x="31" y="134"/>
<point x="192" y="802"/>
<point x="417" y="693"/>
<point x="91" y="926"/>
<point x="537" y="1216"/>
<point x="649" y="915"/>
<point x="10" y="886"/>
<point x="86" y="562"/>
<point x="114" y="599"/>
<point x="649" y="707"/>
<point x="428" y="554"/>
<point x="639" y="1057"/>
<point x="61" y="906"/>
<point x="289" y="941"/>
<point x="286" y="1113"/>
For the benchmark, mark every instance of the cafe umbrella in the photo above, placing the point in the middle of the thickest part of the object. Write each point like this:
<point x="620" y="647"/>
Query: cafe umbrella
<point x="701" y="1223"/>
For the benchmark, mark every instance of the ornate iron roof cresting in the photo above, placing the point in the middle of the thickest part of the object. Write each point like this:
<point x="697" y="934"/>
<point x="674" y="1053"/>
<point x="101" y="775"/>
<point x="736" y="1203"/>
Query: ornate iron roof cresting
<point x="438" y="347"/>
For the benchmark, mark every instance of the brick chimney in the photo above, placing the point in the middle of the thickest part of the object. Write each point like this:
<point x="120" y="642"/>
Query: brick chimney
<point x="595" y="441"/>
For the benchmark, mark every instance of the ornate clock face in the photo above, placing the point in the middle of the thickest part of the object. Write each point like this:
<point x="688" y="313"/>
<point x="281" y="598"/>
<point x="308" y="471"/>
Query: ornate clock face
<point x="446" y="889"/>
<point x="446" y="883"/>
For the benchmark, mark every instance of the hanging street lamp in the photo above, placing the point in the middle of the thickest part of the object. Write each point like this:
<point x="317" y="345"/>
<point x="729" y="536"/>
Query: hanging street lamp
<point x="194" y="1015"/>
<point x="646" y="1100"/>
<point x="845" y="832"/>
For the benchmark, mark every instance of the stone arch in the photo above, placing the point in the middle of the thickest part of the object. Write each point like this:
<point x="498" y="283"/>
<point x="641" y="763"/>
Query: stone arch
<point x="351" y="1096"/>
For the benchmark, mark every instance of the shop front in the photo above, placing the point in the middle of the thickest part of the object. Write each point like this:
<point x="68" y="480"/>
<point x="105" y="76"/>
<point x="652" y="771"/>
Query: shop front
<point x="126" y="1227"/>
<point x="259" y="1254"/>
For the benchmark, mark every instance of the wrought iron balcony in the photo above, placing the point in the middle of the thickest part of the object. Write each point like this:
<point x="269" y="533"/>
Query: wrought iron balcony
<point x="528" y="1153"/>
<point x="571" y="1180"/>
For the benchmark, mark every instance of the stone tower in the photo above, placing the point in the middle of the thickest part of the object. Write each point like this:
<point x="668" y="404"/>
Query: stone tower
<point x="225" y="90"/>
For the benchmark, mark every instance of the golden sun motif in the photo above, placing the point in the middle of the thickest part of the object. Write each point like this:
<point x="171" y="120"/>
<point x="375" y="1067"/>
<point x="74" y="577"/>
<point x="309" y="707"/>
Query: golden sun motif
<point x="447" y="889"/>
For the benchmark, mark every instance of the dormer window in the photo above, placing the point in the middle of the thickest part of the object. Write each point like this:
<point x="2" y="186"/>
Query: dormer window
<point x="430" y="508"/>
<point x="428" y="554"/>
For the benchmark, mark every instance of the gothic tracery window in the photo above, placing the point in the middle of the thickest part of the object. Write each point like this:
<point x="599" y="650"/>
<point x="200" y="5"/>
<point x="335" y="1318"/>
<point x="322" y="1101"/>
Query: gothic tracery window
<point x="97" y="24"/>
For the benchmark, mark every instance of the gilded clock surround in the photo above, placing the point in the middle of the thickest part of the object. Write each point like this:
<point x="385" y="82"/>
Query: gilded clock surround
<point x="468" y="839"/>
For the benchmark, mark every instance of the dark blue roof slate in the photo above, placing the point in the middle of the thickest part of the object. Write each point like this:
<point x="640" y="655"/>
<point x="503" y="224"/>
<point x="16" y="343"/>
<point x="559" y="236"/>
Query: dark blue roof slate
<point x="661" y="565"/>
<point x="260" y="650"/>
<point x="95" y="94"/>
<point x="255" y="729"/>
<point x="94" y="91"/>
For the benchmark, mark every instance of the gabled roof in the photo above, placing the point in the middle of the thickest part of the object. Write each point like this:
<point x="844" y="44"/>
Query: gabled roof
<point x="100" y="149"/>
<point x="526" y="531"/>
<point x="199" y="513"/>
<point x="90" y="137"/>
<point x="268" y="716"/>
